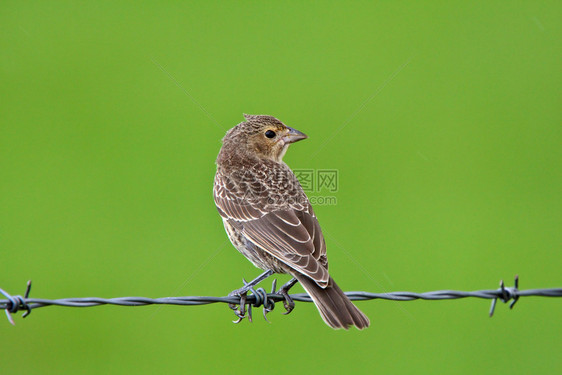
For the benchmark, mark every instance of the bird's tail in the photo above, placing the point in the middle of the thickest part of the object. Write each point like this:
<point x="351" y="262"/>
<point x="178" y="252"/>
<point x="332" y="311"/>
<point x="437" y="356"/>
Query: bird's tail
<point x="334" y="306"/>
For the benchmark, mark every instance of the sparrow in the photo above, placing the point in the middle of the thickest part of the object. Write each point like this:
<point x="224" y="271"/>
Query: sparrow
<point x="269" y="219"/>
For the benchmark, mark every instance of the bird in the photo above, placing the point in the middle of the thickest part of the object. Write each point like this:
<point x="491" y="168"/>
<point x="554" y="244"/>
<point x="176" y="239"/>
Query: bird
<point x="269" y="219"/>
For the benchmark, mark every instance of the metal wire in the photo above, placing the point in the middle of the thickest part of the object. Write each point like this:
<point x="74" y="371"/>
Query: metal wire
<point x="259" y="297"/>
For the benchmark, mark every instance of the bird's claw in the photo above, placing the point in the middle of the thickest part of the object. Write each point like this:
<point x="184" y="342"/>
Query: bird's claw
<point x="288" y="302"/>
<point x="240" y="308"/>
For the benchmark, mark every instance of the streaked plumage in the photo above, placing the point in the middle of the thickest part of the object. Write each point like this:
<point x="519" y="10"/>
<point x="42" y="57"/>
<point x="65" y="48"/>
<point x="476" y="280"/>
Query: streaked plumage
<point x="269" y="218"/>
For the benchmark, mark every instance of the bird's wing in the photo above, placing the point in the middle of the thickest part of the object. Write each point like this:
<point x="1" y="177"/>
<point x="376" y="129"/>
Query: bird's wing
<point x="292" y="236"/>
<point x="285" y="236"/>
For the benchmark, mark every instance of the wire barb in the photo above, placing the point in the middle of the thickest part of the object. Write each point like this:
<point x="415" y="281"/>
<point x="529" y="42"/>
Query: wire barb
<point x="259" y="298"/>
<point x="16" y="303"/>
<point x="506" y="294"/>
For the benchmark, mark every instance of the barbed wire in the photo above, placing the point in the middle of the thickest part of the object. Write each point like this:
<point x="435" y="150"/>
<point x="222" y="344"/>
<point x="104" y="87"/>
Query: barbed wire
<point x="260" y="298"/>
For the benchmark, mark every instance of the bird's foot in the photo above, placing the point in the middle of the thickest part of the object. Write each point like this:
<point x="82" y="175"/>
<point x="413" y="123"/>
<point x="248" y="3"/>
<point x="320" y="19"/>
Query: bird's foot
<point x="240" y="308"/>
<point x="288" y="302"/>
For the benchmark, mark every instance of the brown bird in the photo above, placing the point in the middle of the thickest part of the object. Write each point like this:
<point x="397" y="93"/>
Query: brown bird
<point x="270" y="220"/>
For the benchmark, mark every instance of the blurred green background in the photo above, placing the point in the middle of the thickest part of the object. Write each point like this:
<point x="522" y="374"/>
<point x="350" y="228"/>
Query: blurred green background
<point x="443" y="120"/>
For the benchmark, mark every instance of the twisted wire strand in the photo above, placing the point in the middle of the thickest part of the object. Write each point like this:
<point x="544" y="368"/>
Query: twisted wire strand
<point x="259" y="297"/>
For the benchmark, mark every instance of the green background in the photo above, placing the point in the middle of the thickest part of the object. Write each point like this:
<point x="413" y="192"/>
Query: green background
<point x="443" y="120"/>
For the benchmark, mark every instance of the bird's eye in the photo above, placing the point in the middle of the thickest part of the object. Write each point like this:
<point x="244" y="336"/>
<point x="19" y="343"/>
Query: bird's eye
<point x="270" y="134"/>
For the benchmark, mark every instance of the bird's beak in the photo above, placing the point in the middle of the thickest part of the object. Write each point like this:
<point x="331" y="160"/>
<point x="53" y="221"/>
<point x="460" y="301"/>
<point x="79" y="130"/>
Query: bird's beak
<point x="294" y="136"/>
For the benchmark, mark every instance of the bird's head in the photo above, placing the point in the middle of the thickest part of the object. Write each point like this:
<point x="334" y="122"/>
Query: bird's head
<point x="262" y="136"/>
